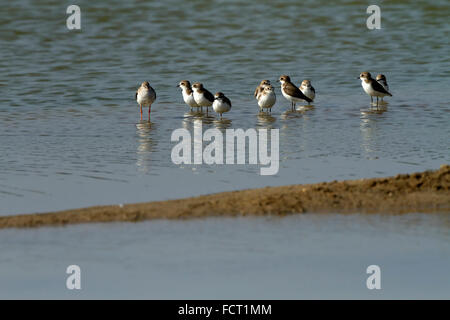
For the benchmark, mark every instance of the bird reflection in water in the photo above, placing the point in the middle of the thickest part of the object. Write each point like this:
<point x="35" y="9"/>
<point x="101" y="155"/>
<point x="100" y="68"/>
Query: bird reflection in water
<point x="372" y="137"/>
<point x="304" y="109"/>
<point x="194" y="116"/>
<point x="206" y="121"/>
<point x="265" y="120"/>
<point x="146" y="145"/>
<point x="380" y="109"/>
<point x="297" y="113"/>
<point x="222" y="124"/>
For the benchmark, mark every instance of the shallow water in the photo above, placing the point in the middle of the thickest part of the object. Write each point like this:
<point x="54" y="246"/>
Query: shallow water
<point x="70" y="134"/>
<point x="302" y="256"/>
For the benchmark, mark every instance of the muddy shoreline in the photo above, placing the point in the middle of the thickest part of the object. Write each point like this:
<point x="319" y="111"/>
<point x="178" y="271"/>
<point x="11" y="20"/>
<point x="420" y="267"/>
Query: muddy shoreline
<point x="423" y="192"/>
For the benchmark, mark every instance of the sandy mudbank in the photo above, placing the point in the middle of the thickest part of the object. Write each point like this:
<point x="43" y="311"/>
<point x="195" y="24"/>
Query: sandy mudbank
<point x="418" y="192"/>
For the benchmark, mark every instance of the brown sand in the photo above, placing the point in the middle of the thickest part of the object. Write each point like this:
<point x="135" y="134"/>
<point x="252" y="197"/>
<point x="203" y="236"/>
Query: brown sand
<point x="419" y="192"/>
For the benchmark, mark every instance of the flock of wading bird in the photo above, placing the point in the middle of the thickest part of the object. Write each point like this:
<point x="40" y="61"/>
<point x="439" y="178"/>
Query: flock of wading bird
<point x="197" y="96"/>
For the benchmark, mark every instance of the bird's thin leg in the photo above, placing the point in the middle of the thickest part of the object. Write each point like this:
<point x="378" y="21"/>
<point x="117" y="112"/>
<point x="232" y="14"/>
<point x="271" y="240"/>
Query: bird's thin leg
<point x="141" y="110"/>
<point x="149" y="109"/>
<point x="371" y="100"/>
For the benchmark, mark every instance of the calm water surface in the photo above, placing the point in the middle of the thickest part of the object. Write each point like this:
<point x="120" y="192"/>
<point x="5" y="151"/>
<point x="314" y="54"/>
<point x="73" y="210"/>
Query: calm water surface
<point x="305" y="256"/>
<point x="70" y="134"/>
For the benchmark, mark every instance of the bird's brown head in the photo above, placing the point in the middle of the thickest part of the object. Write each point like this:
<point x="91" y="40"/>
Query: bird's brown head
<point x="268" y="89"/>
<point x="145" y="84"/>
<point x="284" y="78"/>
<point x="197" y="85"/>
<point x="184" y="84"/>
<point x="306" y="83"/>
<point x="219" y="95"/>
<point x="365" y="76"/>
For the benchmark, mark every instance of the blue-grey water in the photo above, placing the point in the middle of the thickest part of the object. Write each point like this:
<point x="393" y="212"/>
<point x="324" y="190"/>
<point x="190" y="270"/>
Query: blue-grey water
<point x="304" y="256"/>
<point x="70" y="134"/>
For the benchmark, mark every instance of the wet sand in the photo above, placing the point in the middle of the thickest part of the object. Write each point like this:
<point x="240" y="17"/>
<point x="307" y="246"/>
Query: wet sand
<point x="418" y="192"/>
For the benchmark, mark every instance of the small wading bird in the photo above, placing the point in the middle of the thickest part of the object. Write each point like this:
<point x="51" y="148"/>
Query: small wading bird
<point x="260" y="88"/>
<point x="145" y="96"/>
<point x="291" y="92"/>
<point x="221" y="104"/>
<point x="307" y="89"/>
<point x="372" y="87"/>
<point x="202" y="97"/>
<point x="267" y="98"/>
<point x="381" y="79"/>
<point x="188" y="94"/>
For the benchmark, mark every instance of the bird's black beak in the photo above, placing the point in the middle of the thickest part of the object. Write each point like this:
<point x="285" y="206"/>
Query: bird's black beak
<point x="178" y="85"/>
<point x="358" y="78"/>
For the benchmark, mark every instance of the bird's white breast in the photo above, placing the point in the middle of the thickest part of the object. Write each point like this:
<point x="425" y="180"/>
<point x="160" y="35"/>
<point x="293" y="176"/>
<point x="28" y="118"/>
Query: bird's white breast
<point x="220" y="106"/>
<point x="146" y="96"/>
<point x="267" y="100"/>
<point x="307" y="91"/>
<point x="368" y="88"/>
<point x="201" y="100"/>
<point x="189" y="99"/>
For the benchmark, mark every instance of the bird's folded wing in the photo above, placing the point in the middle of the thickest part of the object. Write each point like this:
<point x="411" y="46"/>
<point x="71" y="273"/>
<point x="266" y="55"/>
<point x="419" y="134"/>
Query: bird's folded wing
<point x="209" y="95"/>
<point x="378" y="87"/>
<point x="227" y="101"/>
<point x="293" y="91"/>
